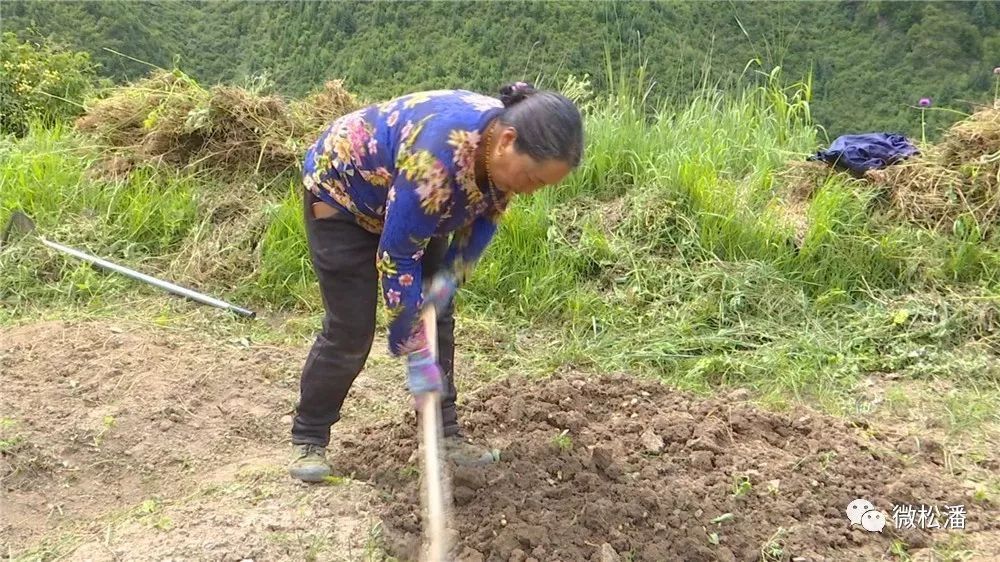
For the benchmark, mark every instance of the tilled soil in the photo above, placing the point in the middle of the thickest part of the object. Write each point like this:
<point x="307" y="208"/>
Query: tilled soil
<point x="616" y="468"/>
<point x="122" y="442"/>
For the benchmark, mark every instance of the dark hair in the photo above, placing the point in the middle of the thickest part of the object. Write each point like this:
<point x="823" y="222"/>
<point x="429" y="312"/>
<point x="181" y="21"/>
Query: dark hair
<point x="549" y="125"/>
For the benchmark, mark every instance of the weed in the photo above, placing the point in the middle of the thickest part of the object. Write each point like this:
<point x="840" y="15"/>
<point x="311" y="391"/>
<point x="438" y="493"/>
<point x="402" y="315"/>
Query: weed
<point x="563" y="441"/>
<point x="742" y="486"/>
<point x="773" y="549"/>
<point x="106" y="425"/>
<point x="825" y="459"/>
<point x="723" y="518"/>
<point x="898" y="549"/>
<point x="374" y="549"/>
<point x="9" y="444"/>
<point x="409" y="472"/>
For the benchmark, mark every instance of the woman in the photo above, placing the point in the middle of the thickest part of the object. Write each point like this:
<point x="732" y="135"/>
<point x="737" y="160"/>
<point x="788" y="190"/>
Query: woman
<point x="387" y="185"/>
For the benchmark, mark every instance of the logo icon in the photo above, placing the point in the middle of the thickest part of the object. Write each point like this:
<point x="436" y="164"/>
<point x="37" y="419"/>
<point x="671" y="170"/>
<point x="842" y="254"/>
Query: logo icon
<point x="856" y="509"/>
<point x="873" y="521"/>
<point x="862" y="512"/>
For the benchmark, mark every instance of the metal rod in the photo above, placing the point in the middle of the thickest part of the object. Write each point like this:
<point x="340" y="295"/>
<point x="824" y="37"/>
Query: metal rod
<point x="432" y="477"/>
<point x="176" y="289"/>
<point x="432" y="433"/>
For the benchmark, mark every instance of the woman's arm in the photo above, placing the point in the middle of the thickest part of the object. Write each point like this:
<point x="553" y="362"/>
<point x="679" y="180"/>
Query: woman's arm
<point x="468" y="245"/>
<point x="413" y="211"/>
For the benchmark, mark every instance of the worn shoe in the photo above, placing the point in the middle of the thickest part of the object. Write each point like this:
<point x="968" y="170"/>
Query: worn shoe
<point x="459" y="451"/>
<point x="309" y="463"/>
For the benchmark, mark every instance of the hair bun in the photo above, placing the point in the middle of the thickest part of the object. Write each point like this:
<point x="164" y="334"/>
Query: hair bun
<point x="515" y="93"/>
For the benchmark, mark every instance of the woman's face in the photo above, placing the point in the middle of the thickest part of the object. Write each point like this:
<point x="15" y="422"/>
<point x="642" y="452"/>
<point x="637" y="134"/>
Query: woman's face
<point x="519" y="173"/>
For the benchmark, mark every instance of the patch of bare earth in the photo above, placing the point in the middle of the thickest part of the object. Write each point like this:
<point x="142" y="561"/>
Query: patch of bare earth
<point x="608" y="467"/>
<point x="136" y="443"/>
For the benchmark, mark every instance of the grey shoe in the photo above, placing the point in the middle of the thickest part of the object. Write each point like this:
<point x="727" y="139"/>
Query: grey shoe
<point x="309" y="463"/>
<point x="463" y="453"/>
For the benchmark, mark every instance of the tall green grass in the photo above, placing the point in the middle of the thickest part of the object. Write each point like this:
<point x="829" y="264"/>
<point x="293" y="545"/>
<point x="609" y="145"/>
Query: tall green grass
<point x="665" y="253"/>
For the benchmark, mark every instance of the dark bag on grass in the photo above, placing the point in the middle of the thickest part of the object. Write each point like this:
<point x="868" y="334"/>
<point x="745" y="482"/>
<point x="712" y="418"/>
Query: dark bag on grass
<point x="869" y="151"/>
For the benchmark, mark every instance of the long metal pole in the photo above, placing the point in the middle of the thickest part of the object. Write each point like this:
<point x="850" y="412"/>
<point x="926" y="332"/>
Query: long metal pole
<point x="434" y="485"/>
<point x="176" y="289"/>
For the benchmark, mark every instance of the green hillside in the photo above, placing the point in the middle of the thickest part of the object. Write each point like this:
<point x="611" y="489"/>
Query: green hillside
<point x="870" y="61"/>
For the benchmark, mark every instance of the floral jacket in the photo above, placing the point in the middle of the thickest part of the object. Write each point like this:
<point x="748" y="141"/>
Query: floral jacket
<point x="405" y="170"/>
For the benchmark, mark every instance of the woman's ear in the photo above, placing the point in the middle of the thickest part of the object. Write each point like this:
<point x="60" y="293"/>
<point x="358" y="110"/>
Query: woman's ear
<point x="505" y="142"/>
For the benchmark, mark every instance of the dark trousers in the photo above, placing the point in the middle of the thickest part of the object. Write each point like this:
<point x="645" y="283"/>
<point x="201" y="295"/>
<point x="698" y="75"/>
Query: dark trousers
<point x="343" y="256"/>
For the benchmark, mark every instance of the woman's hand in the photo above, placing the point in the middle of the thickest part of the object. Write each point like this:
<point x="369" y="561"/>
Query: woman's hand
<point x="441" y="290"/>
<point x="423" y="374"/>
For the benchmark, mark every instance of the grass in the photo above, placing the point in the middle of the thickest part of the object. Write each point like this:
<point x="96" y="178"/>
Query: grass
<point x="664" y="255"/>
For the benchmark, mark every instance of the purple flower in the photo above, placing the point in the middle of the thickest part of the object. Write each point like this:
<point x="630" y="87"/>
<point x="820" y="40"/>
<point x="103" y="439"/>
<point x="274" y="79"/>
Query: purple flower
<point x="925" y="102"/>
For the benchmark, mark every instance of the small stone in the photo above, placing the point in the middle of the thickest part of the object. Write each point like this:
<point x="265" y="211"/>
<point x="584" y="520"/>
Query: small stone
<point x="470" y="555"/>
<point x="651" y="442"/>
<point x="725" y="555"/>
<point x="608" y="554"/>
<point x="602" y="457"/>
<point x="740" y="394"/>
<point x="532" y="536"/>
<point x="517" y="555"/>
<point x="463" y="495"/>
<point x="774" y="485"/>
<point x="165" y="425"/>
<point x="286" y="420"/>
<point x="701" y="459"/>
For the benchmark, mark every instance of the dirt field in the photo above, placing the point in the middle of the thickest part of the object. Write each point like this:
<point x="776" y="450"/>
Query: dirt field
<point x="127" y="443"/>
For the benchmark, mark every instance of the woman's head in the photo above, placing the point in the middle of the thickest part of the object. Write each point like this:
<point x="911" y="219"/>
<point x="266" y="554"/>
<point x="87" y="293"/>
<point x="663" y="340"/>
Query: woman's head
<point x="538" y="139"/>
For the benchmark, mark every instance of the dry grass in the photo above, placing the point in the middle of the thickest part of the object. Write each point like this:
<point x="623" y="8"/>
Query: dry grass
<point x="958" y="177"/>
<point x="325" y="105"/>
<point x="169" y="119"/>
